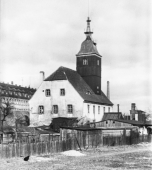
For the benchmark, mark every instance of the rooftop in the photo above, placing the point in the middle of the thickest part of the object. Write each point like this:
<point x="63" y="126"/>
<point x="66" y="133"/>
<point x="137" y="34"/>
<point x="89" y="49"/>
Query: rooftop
<point x="63" y="73"/>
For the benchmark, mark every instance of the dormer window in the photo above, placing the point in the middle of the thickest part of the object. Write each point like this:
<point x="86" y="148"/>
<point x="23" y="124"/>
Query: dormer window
<point x="88" y="92"/>
<point x="85" y="61"/>
<point x="62" y="92"/>
<point x="47" y="92"/>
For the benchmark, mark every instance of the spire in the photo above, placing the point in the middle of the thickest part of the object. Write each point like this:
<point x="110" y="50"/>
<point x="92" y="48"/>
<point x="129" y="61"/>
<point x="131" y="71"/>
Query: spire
<point x="88" y="30"/>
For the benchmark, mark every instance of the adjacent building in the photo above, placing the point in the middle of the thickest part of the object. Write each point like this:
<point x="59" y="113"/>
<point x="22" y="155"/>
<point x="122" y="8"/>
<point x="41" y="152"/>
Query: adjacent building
<point x="18" y="96"/>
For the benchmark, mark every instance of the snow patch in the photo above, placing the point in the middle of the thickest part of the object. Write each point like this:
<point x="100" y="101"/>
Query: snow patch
<point x="39" y="159"/>
<point x="73" y="153"/>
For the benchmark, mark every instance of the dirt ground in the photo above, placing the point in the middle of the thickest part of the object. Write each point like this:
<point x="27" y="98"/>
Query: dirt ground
<point x="102" y="158"/>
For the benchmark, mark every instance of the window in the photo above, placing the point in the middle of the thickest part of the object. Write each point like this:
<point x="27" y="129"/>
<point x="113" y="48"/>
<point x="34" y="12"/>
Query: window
<point x="88" y="108"/>
<point x="41" y="109"/>
<point x="104" y="109"/>
<point x="70" y="108"/>
<point x="88" y="92"/>
<point x="62" y="92"/>
<point x="47" y="92"/>
<point x="85" y="62"/>
<point x="98" y="109"/>
<point x="94" y="109"/>
<point x="98" y="62"/>
<point x="108" y="109"/>
<point x="55" y="108"/>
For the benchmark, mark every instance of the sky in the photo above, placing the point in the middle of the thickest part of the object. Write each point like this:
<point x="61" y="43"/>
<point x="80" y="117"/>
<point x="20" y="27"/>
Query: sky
<point x="38" y="35"/>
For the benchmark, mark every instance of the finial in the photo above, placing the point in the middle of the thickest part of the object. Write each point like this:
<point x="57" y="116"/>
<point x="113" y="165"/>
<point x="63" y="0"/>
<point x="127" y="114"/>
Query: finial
<point x="88" y="30"/>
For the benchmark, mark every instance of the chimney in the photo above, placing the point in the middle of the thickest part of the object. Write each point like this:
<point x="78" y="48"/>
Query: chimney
<point x="118" y="107"/>
<point x="108" y="90"/>
<point x="133" y="106"/>
<point x="12" y="82"/>
<point x="43" y="75"/>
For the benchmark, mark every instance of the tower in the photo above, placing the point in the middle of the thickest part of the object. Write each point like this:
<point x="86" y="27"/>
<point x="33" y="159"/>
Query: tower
<point x="89" y="61"/>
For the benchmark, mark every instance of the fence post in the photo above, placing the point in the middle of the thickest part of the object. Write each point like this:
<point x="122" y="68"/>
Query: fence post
<point x="124" y="137"/>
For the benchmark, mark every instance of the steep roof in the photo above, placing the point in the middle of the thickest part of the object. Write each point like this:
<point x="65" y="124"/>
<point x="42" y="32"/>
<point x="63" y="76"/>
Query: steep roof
<point x="88" y="46"/>
<point x="112" y="115"/>
<point x="63" y="73"/>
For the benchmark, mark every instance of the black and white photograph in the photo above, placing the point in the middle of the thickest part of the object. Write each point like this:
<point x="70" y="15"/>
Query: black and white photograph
<point x="75" y="84"/>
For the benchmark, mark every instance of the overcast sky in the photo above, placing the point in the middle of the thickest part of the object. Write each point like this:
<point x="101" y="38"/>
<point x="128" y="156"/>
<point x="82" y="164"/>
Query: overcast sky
<point x="42" y="35"/>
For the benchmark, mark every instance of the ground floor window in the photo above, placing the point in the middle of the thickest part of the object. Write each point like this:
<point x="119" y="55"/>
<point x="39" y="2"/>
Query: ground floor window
<point x="104" y="109"/>
<point x="70" y="108"/>
<point x="41" y="109"/>
<point x="55" y="109"/>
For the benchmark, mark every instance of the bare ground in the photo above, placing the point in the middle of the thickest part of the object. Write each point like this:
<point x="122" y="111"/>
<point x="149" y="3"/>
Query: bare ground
<point x="102" y="158"/>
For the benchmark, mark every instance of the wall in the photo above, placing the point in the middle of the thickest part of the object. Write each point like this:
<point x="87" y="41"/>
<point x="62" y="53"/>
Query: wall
<point x="39" y="98"/>
<point x="110" y="123"/>
<point x="98" y="115"/>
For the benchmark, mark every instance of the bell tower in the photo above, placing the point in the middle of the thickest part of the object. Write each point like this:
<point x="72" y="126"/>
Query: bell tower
<point x="89" y="61"/>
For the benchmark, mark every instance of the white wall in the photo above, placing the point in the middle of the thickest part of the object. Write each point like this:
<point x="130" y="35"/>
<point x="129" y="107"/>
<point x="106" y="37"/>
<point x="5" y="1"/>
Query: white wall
<point x="39" y="98"/>
<point x="98" y="115"/>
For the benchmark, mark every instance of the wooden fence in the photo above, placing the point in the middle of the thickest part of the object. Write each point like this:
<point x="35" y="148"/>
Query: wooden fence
<point x="73" y="140"/>
<point x="38" y="148"/>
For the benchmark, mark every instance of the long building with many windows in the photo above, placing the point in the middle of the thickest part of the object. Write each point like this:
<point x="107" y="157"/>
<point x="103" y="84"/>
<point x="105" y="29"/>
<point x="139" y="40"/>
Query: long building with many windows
<point x="18" y="96"/>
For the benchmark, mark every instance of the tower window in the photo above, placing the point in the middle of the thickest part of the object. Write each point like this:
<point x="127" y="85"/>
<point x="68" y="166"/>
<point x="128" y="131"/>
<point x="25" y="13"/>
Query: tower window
<point x="104" y="109"/>
<point x="85" y="61"/>
<point x="55" y="108"/>
<point x="108" y="109"/>
<point x="62" y="92"/>
<point x="98" y="62"/>
<point x="70" y="108"/>
<point x="47" y="92"/>
<point x="41" y="109"/>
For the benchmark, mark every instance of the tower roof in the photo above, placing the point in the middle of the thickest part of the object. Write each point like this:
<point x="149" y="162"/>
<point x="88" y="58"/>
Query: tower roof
<point x="88" y="46"/>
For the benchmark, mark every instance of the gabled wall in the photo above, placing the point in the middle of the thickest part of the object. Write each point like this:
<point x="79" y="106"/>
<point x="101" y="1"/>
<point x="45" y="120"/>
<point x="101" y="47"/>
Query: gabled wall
<point x="39" y="98"/>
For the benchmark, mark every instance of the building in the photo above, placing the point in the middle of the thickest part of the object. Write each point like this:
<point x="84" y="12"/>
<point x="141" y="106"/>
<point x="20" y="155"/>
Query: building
<point x="18" y="96"/>
<point x="135" y="114"/>
<point x="69" y="93"/>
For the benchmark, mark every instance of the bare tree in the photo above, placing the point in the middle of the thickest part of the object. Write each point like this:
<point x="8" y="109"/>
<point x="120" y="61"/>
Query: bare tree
<point x="6" y="109"/>
<point x="148" y="115"/>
